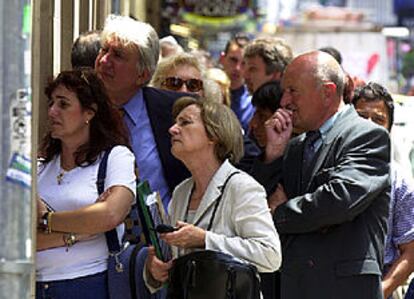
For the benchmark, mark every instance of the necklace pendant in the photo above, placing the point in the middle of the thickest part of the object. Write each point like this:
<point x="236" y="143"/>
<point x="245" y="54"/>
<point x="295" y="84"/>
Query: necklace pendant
<point x="59" y="178"/>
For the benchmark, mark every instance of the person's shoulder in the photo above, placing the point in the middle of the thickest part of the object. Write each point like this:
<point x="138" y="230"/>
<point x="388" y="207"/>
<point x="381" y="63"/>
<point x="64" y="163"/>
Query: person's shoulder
<point x="401" y="177"/>
<point x="182" y="188"/>
<point x="365" y="126"/>
<point x="120" y="150"/>
<point x="151" y="93"/>
<point x="352" y="124"/>
<point x="242" y="181"/>
<point x="43" y="166"/>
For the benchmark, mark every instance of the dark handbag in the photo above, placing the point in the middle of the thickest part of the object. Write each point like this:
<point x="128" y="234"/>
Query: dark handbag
<point x="211" y="274"/>
<point x="126" y="263"/>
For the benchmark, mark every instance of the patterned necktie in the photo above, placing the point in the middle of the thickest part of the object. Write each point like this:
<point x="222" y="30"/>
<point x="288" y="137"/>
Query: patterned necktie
<point x="309" y="149"/>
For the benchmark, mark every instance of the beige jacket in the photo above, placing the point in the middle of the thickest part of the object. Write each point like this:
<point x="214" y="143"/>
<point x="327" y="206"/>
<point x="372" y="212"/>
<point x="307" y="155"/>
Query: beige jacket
<point x="242" y="227"/>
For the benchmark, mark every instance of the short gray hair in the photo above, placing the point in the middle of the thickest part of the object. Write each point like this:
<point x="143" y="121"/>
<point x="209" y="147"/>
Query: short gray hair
<point x="329" y="70"/>
<point x="135" y="34"/>
<point x="221" y="124"/>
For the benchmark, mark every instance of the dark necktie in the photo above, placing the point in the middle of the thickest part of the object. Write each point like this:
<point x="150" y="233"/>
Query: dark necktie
<point x="309" y="149"/>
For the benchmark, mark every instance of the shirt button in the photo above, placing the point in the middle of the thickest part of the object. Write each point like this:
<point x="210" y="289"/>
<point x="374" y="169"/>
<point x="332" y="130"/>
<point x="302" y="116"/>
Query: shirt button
<point x="46" y="286"/>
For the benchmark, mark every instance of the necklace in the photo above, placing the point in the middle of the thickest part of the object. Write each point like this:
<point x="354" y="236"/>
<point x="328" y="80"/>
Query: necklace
<point x="59" y="177"/>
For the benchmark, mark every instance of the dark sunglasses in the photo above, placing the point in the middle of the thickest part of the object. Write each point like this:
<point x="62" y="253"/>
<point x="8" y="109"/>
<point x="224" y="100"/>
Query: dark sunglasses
<point x="175" y="83"/>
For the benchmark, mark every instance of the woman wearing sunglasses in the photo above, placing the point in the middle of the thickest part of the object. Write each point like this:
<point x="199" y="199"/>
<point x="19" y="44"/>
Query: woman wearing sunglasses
<point x="181" y="72"/>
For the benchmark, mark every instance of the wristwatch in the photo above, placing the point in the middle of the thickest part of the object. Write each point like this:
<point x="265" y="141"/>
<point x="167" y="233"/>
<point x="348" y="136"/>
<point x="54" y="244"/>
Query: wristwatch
<point x="45" y="222"/>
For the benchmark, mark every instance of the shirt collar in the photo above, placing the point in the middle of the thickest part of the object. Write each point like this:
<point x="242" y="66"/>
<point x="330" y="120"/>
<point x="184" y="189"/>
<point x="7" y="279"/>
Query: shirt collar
<point x="327" y="125"/>
<point x="134" y="106"/>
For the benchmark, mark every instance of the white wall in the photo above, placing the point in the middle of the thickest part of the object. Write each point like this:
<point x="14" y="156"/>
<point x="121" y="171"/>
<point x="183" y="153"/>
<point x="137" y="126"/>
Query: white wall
<point x="356" y="49"/>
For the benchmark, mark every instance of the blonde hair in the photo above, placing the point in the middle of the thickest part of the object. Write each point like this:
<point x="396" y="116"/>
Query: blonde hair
<point x="171" y="63"/>
<point x="221" y="124"/>
<point x="219" y="76"/>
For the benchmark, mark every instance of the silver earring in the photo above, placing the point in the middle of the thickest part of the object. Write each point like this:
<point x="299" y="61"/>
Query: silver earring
<point x="87" y="122"/>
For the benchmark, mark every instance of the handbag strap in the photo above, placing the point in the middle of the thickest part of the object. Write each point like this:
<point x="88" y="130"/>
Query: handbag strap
<point x="111" y="236"/>
<point x="133" y="269"/>
<point x="210" y="225"/>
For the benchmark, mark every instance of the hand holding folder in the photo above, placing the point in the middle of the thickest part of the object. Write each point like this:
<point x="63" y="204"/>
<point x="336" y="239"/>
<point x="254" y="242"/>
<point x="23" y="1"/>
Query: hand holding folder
<point x="152" y="215"/>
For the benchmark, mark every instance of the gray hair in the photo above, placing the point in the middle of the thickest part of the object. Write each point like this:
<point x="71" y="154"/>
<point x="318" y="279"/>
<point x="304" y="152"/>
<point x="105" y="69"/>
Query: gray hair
<point x="221" y="124"/>
<point x="135" y="34"/>
<point x="328" y="69"/>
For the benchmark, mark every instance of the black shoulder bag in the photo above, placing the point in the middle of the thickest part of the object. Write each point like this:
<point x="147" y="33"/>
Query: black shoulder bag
<point x="211" y="274"/>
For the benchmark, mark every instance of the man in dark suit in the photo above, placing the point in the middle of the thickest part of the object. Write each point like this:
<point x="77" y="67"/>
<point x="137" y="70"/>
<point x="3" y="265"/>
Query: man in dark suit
<point x="332" y="208"/>
<point x="126" y="63"/>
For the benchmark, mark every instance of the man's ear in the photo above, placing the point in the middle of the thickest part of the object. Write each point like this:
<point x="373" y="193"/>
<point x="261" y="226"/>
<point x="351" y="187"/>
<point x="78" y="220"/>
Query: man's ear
<point x="329" y="90"/>
<point x="143" y="78"/>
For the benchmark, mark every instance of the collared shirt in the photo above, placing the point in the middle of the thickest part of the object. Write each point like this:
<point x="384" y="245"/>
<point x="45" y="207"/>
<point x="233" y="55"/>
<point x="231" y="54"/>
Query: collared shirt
<point x="241" y="104"/>
<point x="400" y="219"/>
<point x="144" y="145"/>
<point x="327" y="126"/>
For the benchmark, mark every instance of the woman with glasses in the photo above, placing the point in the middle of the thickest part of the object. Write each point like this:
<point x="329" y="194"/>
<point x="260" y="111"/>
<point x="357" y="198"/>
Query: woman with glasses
<point x="72" y="218"/>
<point x="181" y="72"/>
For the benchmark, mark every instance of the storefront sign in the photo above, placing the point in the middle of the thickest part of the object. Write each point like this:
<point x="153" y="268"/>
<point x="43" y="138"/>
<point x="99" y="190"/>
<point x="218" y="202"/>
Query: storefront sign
<point x="216" y="8"/>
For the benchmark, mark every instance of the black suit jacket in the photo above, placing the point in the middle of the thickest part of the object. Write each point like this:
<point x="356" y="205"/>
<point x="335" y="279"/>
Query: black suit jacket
<point x="159" y="106"/>
<point x="333" y="229"/>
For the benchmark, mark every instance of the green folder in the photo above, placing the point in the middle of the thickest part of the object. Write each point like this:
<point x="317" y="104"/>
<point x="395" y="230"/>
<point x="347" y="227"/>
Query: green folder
<point x="151" y="213"/>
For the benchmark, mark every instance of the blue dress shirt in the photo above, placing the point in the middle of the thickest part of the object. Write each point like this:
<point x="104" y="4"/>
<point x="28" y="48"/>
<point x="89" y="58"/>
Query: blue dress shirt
<point x="144" y="146"/>
<point x="242" y="106"/>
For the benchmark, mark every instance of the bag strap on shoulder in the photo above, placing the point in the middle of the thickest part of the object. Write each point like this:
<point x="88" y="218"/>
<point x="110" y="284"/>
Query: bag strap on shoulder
<point x="111" y="236"/>
<point x="100" y="182"/>
<point x="210" y="225"/>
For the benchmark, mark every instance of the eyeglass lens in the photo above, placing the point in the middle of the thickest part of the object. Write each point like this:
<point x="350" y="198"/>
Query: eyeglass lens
<point x="176" y="83"/>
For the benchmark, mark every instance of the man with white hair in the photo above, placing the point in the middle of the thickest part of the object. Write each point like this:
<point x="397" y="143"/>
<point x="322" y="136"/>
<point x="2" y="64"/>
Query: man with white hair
<point x="126" y="63"/>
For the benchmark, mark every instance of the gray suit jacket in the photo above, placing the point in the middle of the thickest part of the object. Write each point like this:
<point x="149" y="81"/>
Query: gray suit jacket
<point x="333" y="229"/>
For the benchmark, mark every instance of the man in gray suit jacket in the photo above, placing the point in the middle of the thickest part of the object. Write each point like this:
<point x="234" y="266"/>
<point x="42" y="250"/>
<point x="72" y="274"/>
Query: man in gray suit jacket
<point x="332" y="207"/>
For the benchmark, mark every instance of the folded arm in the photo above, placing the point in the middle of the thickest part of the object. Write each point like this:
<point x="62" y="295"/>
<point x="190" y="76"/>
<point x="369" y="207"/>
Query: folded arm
<point x="358" y="175"/>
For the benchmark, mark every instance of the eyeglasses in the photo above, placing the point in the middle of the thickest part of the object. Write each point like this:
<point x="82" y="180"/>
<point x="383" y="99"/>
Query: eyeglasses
<point x="175" y="83"/>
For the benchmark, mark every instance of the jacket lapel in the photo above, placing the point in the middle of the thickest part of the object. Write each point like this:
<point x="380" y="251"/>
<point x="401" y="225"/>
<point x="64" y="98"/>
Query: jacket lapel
<point x="213" y="192"/>
<point x="293" y="167"/>
<point x="159" y="108"/>
<point x="326" y="146"/>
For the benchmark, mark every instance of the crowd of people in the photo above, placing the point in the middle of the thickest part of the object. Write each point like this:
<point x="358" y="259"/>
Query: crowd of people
<point x="299" y="151"/>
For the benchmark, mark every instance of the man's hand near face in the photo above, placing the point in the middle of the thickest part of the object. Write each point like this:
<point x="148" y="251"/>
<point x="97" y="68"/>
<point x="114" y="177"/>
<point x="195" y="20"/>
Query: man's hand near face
<point x="278" y="131"/>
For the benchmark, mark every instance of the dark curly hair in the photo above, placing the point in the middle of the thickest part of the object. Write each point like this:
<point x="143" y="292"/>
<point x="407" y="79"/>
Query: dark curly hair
<point x="106" y="127"/>
<point x="376" y="92"/>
